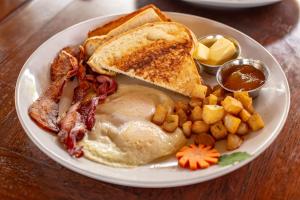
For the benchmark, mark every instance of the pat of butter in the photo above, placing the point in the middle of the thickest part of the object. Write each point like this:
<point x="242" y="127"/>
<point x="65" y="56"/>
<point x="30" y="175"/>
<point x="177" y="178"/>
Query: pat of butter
<point x="201" y="52"/>
<point x="221" y="51"/>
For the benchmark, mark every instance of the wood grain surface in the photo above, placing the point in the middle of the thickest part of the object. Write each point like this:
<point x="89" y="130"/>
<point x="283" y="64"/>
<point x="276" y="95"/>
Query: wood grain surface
<point x="27" y="173"/>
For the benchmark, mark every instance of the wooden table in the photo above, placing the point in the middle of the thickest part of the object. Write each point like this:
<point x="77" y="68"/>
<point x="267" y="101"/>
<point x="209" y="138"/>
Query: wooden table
<point x="27" y="173"/>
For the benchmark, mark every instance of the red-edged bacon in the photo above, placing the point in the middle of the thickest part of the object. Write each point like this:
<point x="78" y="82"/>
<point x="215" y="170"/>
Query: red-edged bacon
<point x="64" y="64"/>
<point x="107" y="85"/>
<point x="80" y="117"/>
<point x="76" y="123"/>
<point x="44" y="111"/>
<point x="72" y="129"/>
<point x="87" y="111"/>
<point x="81" y="90"/>
<point x="77" y="51"/>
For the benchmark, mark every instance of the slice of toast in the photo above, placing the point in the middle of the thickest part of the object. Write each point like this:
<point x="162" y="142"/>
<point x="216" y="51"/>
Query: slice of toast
<point x="158" y="53"/>
<point x="146" y="14"/>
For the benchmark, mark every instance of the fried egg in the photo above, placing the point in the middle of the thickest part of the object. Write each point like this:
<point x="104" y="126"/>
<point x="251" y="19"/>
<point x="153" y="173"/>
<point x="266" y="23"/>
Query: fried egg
<point x="124" y="135"/>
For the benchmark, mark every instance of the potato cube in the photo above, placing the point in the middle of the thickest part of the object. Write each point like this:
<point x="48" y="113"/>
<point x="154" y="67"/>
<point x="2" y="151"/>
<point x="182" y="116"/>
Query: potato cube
<point x="218" y="130"/>
<point x="233" y="141"/>
<point x="243" y="129"/>
<point x="245" y="99"/>
<point x="212" y="113"/>
<point x="204" y="138"/>
<point x="231" y="105"/>
<point x="199" y="127"/>
<point x="182" y="117"/>
<point x="212" y="99"/>
<point x="195" y="102"/>
<point x="171" y="123"/>
<point x="196" y="114"/>
<point x="244" y="115"/>
<point x="199" y="91"/>
<point x="159" y="115"/>
<point x="187" y="128"/>
<point x="231" y="123"/>
<point x="256" y="122"/>
<point x="181" y="105"/>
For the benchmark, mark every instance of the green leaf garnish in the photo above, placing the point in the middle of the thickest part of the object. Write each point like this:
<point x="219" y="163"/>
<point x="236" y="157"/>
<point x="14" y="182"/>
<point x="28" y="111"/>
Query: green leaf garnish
<point x="229" y="159"/>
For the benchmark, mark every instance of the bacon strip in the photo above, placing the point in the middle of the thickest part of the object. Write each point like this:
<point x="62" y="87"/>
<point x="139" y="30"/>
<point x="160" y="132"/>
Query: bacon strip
<point x="44" y="111"/>
<point x="79" y="119"/>
<point x="72" y="129"/>
<point x="64" y="64"/>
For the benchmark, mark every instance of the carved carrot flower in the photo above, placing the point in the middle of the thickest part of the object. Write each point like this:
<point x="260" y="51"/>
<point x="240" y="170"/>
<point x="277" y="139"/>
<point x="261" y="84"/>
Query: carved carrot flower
<point x="197" y="157"/>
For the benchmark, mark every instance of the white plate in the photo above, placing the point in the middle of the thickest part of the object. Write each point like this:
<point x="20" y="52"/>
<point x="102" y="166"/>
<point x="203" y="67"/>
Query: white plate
<point x="273" y="104"/>
<point x="233" y="3"/>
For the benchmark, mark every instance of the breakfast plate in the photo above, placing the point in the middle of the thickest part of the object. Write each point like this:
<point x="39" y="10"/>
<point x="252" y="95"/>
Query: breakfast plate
<point x="233" y="3"/>
<point x="273" y="104"/>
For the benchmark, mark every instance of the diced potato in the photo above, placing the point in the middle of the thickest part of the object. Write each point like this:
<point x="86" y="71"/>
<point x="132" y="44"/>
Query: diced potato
<point x="212" y="99"/>
<point x="195" y="102"/>
<point x="159" y="115"/>
<point x="204" y="138"/>
<point x="171" y="123"/>
<point x="244" y="115"/>
<point x="182" y="117"/>
<point x="233" y="141"/>
<point x="231" y="105"/>
<point x="218" y="91"/>
<point x="218" y="130"/>
<point x="199" y="91"/>
<point x="243" y="129"/>
<point x="245" y="99"/>
<point x="231" y="123"/>
<point x="201" y="52"/>
<point x="181" y="105"/>
<point x="212" y="113"/>
<point x="256" y="122"/>
<point x="187" y="128"/>
<point x="196" y="114"/>
<point x="199" y="127"/>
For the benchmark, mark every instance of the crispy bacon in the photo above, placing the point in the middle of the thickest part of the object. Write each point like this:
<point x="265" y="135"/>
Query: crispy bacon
<point x="80" y="117"/>
<point x="87" y="111"/>
<point x="107" y="86"/>
<point x="44" y="111"/>
<point x="72" y="129"/>
<point x="76" y="123"/>
<point x="64" y="64"/>
<point x="81" y="90"/>
<point x="77" y="51"/>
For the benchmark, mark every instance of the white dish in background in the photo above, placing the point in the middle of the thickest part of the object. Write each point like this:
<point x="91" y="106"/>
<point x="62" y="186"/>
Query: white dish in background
<point x="273" y="104"/>
<point x="233" y="3"/>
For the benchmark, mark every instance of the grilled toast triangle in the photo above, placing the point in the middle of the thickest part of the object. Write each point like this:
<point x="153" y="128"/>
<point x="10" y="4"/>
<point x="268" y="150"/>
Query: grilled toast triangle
<point x="158" y="53"/>
<point x="146" y="14"/>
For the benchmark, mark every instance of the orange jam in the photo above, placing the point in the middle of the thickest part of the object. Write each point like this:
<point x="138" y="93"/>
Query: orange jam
<point x="243" y="77"/>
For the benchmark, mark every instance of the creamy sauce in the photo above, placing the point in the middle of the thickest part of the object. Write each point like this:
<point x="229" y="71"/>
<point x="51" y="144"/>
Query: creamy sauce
<point x="123" y="134"/>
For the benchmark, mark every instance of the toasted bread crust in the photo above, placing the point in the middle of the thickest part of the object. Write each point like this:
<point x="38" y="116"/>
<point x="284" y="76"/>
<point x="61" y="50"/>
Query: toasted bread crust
<point x="160" y="61"/>
<point x="158" y="53"/>
<point x="114" y="24"/>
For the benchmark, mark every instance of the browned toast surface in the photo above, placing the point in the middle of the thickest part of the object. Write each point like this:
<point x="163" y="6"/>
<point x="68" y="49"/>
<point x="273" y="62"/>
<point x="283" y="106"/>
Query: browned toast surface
<point x="114" y="24"/>
<point x="158" y="53"/>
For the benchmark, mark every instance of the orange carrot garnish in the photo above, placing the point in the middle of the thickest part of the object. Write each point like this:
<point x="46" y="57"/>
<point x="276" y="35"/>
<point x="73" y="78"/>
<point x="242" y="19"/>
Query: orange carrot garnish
<point x="197" y="157"/>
